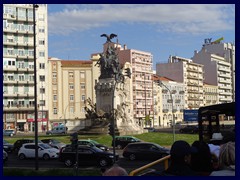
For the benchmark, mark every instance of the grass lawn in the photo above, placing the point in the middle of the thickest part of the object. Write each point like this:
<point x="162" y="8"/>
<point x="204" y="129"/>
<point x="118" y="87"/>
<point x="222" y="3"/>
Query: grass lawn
<point x="163" y="139"/>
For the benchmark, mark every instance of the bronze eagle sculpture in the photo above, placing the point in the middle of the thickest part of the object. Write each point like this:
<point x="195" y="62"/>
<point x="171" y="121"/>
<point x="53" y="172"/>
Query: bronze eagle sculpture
<point x="109" y="37"/>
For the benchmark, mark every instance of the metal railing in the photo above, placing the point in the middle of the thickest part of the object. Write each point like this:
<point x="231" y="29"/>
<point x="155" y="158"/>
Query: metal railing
<point x="164" y="160"/>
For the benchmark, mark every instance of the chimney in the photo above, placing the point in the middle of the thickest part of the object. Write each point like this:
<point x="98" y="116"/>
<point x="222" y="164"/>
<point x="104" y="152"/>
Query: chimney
<point x="124" y="47"/>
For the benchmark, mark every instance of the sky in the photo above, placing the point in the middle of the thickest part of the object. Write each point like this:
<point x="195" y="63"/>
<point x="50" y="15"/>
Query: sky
<point x="160" y="29"/>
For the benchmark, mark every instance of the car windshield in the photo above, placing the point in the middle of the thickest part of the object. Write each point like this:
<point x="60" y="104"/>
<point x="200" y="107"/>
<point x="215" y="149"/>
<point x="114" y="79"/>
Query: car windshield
<point x="45" y="146"/>
<point x="94" y="142"/>
<point x="97" y="149"/>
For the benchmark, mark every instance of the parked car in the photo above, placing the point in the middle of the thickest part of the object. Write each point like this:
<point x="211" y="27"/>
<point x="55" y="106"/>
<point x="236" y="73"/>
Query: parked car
<point x="5" y="156"/>
<point x="18" y="144"/>
<point x="8" y="147"/>
<point x="90" y="142"/>
<point x="57" y="130"/>
<point x="122" y="141"/>
<point x="87" y="155"/>
<point x="150" y="129"/>
<point x="44" y="151"/>
<point x="54" y="143"/>
<point x="189" y="129"/>
<point x="145" y="150"/>
<point x="9" y="132"/>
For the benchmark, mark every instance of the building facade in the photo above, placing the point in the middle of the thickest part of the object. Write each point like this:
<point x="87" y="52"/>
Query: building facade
<point x="187" y="72"/>
<point x="210" y="95"/>
<point x="218" y="72"/>
<point x="71" y="83"/>
<point x="18" y="66"/>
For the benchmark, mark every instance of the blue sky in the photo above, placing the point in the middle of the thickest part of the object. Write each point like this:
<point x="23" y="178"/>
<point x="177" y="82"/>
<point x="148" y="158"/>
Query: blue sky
<point x="161" y="29"/>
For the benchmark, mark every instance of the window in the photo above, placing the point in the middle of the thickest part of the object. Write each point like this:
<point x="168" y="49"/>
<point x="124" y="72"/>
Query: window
<point x="54" y="110"/>
<point x="71" y="97"/>
<point x="41" y="30"/>
<point x="11" y="63"/>
<point x="41" y="54"/>
<point x="42" y="90"/>
<point x="82" y="74"/>
<point x="82" y="86"/>
<point x="71" y="86"/>
<point x="54" y="97"/>
<point x="71" y="110"/>
<point x="42" y="78"/>
<point x="21" y="77"/>
<point x="41" y="65"/>
<point x="21" y="65"/>
<point x="54" y="75"/>
<point x="41" y="41"/>
<point x="70" y="74"/>
<point x="42" y="102"/>
<point x="83" y="97"/>
<point x="30" y="52"/>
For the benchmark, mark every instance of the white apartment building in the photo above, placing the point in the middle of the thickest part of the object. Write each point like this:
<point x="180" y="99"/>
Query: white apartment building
<point x="18" y="66"/>
<point x="218" y="72"/>
<point x="227" y="51"/>
<point x="210" y="95"/>
<point x="187" y="72"/>
<point x="169" y="101"/>
<point x="70" y="84"/>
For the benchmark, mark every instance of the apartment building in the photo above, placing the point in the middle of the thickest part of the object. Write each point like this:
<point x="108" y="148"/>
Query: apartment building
<point x="227" y="51"/>
<point x="210" y="94"/>
<point x="70" y="84"/>
<point x="189" y="73"/>
<point x="218" y="72"/>
<point x="18" y="66"/>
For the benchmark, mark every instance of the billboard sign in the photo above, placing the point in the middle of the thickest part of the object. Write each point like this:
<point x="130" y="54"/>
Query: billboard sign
<point x="190" y="115"/>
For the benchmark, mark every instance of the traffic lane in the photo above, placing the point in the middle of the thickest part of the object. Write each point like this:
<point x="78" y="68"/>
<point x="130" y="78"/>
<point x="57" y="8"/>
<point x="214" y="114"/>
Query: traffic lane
<point x="13" y="161"/>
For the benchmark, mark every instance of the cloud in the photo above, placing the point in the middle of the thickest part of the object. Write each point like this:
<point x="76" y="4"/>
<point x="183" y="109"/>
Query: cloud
<point x="175" y="18"/>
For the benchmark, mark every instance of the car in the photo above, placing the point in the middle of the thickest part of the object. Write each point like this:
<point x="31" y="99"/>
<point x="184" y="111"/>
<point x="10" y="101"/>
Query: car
<point x="18" y="144"/>
<point x="90" y="142"/>
<point x="87" y="155"/>
<point x="54" y="143"/>
<point x="9" y="132"/>
<point x="150" y="129"/>
<point x="145" y="150"/>
<point x="192" y="129"/>
<point x="44" y="151"/>
<point x="8" y="147"/>
<point x="5" y="156"/>
<point x="122" y="141"/>
<point x="57" y="130"/>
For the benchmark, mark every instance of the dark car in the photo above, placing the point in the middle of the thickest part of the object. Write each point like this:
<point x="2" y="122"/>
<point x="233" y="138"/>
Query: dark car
<point x="90" y="142"/>
<point x="87" y="155"/>
<point x="189" y="129"/>
<point x="122" y="141"/>
<point x="57" y="130"/>
<point x="8" y="132"/>
<point x="8" y="147"/>
<point x="18" y="144"/>
<point x="145" y="150"/>
<point x="54" y="143"/>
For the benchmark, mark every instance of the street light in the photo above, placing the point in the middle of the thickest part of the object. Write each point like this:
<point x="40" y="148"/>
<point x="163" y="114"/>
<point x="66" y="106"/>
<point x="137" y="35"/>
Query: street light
<point x="35" y="87"/>
<point x="173" y="119"/>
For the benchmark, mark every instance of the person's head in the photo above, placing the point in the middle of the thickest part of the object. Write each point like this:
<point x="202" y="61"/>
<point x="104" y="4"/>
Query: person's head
<point x="227" y="154"/>
<point x="181" y="152"/>
<point x="115" y="171"/>
<point x="201" y="159"/>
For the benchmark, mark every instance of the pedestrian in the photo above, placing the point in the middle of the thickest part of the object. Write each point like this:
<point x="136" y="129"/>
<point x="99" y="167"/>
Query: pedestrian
<point x="180" y="160"/>
<point x="115" y="170"/>
<point x="201" y="161"/>
<point x="226" y="160"/>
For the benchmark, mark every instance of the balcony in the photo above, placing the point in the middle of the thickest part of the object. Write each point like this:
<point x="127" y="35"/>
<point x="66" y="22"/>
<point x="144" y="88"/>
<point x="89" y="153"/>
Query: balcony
<point x="165" y="110"/>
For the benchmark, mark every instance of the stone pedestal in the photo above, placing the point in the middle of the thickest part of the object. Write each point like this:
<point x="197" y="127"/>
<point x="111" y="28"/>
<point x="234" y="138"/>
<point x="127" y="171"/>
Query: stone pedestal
<point x="111" y="96"/>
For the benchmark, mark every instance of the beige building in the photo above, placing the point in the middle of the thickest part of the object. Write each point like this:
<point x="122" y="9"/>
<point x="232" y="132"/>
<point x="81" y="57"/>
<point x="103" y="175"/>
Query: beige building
<point x="18" y="66"/>
<point x="218" y="72"/>
<point x="187" y="72"/>
<point x="210" y="95"/>
<point x="70" y="84"/>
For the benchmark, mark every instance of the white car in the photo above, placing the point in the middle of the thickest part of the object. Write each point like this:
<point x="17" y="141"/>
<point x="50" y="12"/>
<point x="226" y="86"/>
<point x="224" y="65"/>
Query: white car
<point x="44" y="151"/>
<point x="5" y="156"/>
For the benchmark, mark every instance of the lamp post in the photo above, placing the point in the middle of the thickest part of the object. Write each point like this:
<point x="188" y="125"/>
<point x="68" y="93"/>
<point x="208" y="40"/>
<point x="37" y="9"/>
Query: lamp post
<point x="35" y="86"/>
<point x="173" y="119"/>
